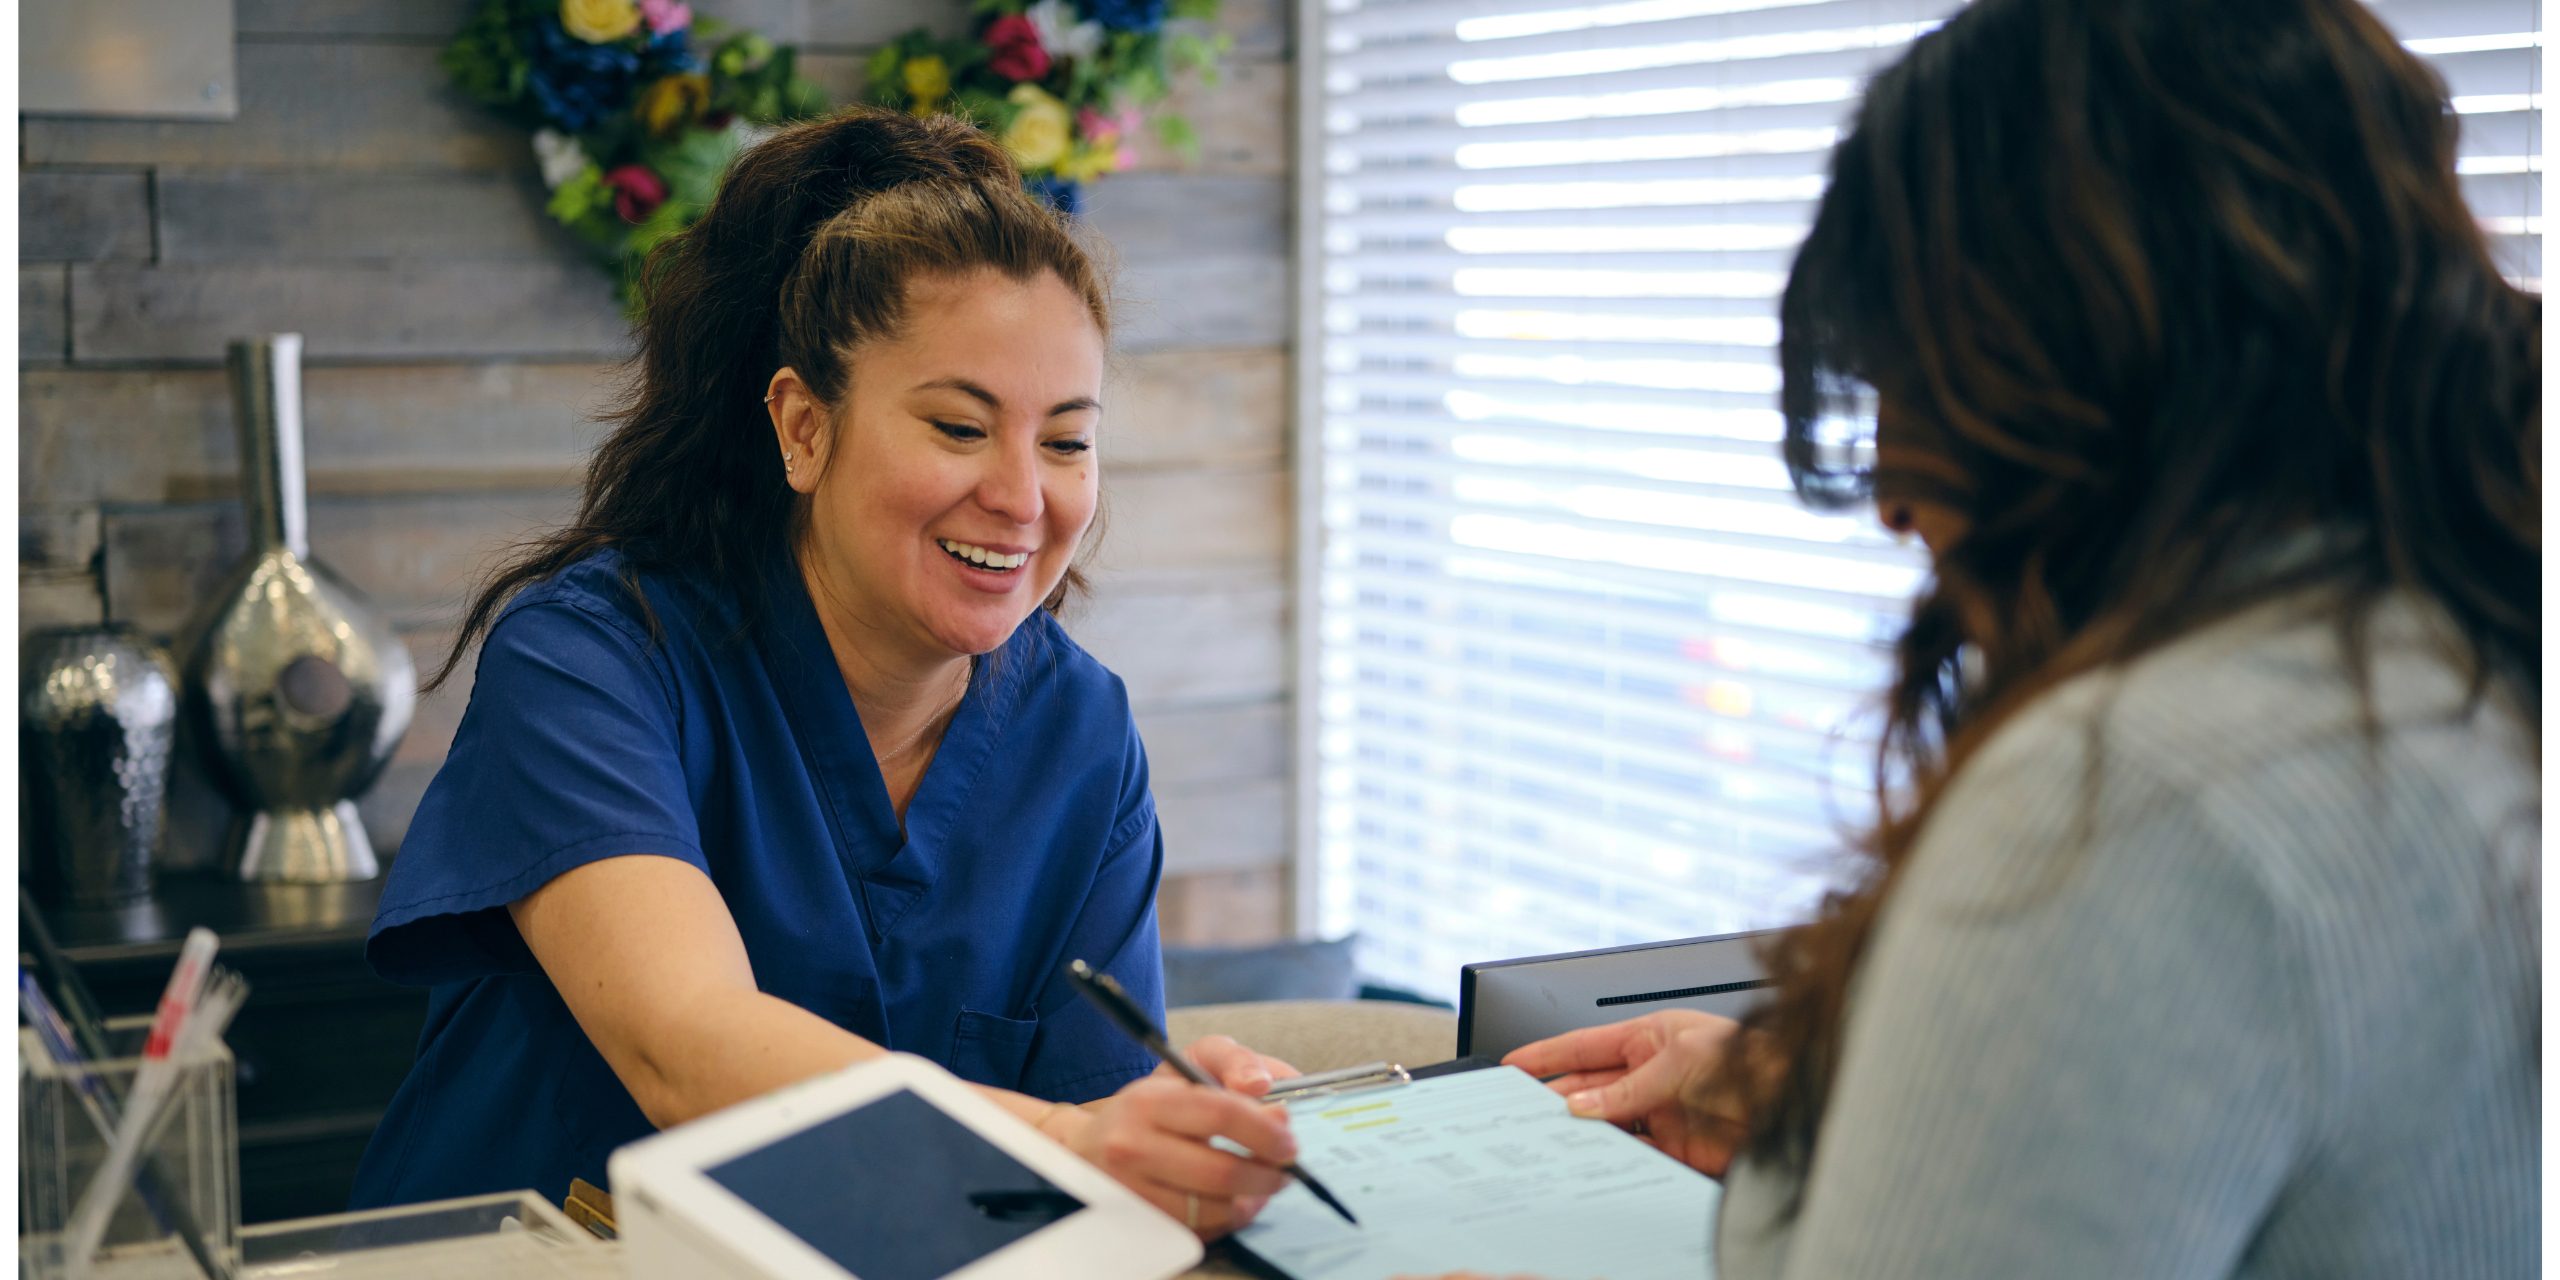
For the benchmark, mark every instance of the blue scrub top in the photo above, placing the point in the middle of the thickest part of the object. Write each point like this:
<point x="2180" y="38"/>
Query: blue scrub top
<point x="1030" y="841"/>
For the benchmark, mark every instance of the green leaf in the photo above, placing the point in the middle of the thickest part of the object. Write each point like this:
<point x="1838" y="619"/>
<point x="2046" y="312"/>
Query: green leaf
<point x="880" y="81"/>
<point x="1191" y="52"/>
<point x="1178" y="137"/>
<point x="669" y="219"/>
<point x="986" y="109"/>
<point x="802" y="100"/>
<point x="1194" y="10"/>
<point x="484" y="60"/>
<point x="693" y="164"/>
<point x="579" y="196"/>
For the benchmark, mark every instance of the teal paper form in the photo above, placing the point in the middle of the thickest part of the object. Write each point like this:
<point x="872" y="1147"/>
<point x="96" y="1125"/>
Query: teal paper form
<point x="1482" y="1171"/>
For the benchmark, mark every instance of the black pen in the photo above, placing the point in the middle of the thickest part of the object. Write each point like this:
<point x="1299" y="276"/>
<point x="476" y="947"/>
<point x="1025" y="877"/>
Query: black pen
<point x="1124" y="1013"/>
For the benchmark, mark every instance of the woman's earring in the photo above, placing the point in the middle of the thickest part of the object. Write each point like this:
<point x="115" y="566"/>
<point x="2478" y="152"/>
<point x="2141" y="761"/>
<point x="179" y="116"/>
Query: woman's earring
<point x="786" y="464"/>
<point x="768" y="397"/>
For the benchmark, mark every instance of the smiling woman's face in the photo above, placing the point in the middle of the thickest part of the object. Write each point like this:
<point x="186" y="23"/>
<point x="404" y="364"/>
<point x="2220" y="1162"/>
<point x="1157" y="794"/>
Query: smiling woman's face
<point x="960" y="475"/>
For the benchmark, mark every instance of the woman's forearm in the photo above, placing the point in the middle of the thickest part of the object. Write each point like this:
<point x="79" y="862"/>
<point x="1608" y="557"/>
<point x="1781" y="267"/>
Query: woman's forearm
<point x="726" y="1048"/>
<point x="718" y="1046"/>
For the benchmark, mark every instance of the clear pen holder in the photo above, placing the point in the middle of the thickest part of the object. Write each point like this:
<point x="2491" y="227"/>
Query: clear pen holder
<point x="193" y="1162"/>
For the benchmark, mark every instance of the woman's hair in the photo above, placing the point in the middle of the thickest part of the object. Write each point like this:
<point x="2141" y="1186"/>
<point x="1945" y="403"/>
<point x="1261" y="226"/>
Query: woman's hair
<point x="803" y="258"/>
<point x="2144" y="288"/>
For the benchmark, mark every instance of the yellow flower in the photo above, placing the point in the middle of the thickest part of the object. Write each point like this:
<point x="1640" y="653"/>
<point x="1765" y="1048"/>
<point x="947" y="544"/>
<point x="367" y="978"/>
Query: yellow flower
<point x="928" y="79"/>
<point x="1039" y="135"/>
<point x="597" y="21"/>
<point x="672" y="103"/>
<point x="1091" y="160"/>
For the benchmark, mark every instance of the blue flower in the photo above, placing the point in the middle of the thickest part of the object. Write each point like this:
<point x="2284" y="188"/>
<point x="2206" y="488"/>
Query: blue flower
<point x="576" y="83"/>
<point x="1126" y="15"/>
<point x="1057" y="193"/>
<point x="670" y="54"/>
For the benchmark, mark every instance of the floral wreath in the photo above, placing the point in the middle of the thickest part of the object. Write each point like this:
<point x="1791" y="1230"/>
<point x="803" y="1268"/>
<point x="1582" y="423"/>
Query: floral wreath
<point x="637" y="108"/>
<point x="1064" y="84"/>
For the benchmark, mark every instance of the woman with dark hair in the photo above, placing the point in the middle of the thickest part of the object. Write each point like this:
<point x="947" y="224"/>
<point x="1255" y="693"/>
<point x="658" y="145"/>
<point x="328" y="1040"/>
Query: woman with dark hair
<point x="776" y="760"/>
<point x="2200" y="935"/>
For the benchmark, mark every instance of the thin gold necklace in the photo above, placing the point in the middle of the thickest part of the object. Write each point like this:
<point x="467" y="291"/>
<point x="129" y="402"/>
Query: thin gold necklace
<point x="931" y="722"/>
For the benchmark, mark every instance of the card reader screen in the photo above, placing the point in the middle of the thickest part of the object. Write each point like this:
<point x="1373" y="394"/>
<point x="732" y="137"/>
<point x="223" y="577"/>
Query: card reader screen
<point x="895" y="1190"/>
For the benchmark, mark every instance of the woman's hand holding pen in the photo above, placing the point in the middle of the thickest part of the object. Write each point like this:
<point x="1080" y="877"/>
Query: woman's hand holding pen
<point x="1153" y="1137"/>
<point x="1638" y="1075"/>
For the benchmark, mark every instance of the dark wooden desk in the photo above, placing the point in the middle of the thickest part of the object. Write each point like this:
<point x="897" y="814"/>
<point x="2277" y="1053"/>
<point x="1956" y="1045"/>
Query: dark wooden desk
<point x="320" y="1045"/>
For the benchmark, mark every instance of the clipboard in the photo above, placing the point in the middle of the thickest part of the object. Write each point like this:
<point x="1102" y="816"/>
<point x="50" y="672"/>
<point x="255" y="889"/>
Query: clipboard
<point x="1469" y="1165"/>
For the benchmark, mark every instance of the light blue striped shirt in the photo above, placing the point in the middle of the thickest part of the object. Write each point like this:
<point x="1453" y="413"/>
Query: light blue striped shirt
<point x="2270" y="1009"/>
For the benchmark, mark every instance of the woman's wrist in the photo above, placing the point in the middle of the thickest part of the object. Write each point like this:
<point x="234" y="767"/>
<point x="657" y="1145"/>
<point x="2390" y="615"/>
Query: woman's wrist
<point x="1060" y="1121"/>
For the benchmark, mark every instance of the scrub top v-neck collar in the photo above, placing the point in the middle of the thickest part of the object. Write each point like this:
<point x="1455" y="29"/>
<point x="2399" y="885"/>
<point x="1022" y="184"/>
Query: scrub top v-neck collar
<point x="891" y="868"/>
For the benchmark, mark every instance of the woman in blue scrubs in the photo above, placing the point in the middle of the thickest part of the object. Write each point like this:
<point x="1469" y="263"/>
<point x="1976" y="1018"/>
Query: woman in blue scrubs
<point x="776" y="759"/>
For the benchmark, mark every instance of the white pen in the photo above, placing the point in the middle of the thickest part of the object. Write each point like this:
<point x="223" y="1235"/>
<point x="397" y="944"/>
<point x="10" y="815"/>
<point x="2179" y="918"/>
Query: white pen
<point x="152" y="1084"/>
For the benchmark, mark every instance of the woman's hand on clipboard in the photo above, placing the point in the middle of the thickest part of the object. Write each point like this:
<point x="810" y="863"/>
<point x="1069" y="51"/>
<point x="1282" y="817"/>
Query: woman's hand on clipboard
<point x="1638" y="1074"/>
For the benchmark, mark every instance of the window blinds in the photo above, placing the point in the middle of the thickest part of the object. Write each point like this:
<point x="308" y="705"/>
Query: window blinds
<point x="1581" y="670"/>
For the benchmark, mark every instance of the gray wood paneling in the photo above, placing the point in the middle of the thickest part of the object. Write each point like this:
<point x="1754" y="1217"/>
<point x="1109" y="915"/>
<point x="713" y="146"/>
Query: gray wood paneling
<point x="306" y="105"/>
<point x="436" y="20"/>
<point x="44" y="315"/>
<point x="1197" y="408"/>
<point x="439" y="713"/>
<point x="1187" y="746"/>
<point x="1261" y="28"/>
<point x="1195" y="519"/>
<point x="1187" y="639"/>
<point x="1150" y="217"/>
<point x="414" y="557"/>
<point x="58" y="599"/>
<point x="866" y="24"/>
<point x="289" y="217"/>
<point x="1225" y="909"/>
<point x="58" y="538"/>
<point x="1243" y="122"/>
<point x="839" y="75"/>
<point x="1212" y="302"/>
<point x="559" y="309"/>
<point x="168" y="435"/>
<point x="1228" y="826"/>
<point x="85" y="216"/>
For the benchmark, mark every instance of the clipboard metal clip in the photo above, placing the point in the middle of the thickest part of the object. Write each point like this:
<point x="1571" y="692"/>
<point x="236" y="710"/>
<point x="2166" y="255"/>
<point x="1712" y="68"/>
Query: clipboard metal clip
<point x="1374" y="1075"/>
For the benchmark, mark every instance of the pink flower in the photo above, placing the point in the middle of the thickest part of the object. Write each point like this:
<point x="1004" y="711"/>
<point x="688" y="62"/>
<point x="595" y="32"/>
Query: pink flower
<point x="637" y="191"/>
<point x="664" y="16"/>
<point x="1014" y="48"/>
<point x="1099" y="129"/>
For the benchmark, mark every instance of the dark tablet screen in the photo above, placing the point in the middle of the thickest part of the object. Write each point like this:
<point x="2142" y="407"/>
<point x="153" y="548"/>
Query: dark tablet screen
<point x="895" y="1190"/>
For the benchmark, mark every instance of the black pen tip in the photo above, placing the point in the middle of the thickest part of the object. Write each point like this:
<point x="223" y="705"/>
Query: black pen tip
<point x="1321" y="1193"/>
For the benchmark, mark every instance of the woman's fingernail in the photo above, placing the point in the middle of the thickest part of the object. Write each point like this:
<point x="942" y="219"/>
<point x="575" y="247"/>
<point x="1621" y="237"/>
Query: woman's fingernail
<point x="1585" y="1103"/>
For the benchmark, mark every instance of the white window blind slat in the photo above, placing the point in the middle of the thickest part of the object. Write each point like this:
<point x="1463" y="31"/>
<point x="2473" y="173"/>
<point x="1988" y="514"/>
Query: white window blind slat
<point x="1585" y="671"/>
<point x="1723" y="38"/>
<point x="1352" y="25"/>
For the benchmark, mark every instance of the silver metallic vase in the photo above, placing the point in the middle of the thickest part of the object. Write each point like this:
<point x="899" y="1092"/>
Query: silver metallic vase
<point x="99" y="713"/>
<point x="303" y="688"/>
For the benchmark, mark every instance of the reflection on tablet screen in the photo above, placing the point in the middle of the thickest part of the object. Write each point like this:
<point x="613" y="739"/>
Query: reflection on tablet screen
<point x="885" y="1190"/>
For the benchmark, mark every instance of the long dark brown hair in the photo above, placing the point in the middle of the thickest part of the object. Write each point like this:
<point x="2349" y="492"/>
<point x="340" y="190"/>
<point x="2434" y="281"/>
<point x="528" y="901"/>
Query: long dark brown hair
<point x="2143" y="287"/>
<point x="804" y="257"/>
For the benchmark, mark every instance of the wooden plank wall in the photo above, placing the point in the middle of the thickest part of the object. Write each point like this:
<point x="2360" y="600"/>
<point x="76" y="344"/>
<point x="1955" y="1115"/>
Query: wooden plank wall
<point x="456" y="343"/>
